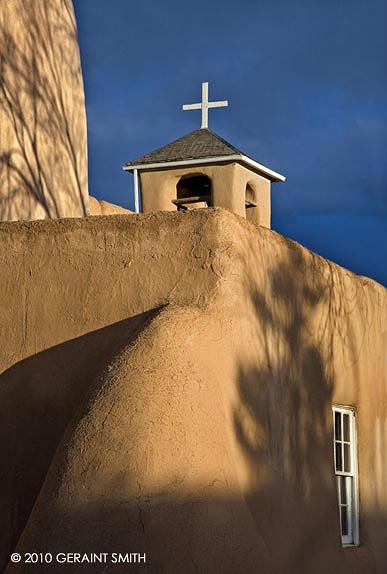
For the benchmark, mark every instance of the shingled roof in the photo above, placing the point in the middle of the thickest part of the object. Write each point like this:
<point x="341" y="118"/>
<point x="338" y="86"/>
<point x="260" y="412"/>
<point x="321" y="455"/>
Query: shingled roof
<point x="202" y="144"/>
<point x="195" y="145"/>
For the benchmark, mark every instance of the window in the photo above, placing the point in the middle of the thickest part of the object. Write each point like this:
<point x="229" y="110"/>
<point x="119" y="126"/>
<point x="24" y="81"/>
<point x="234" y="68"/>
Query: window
<point x="344" y="433"/>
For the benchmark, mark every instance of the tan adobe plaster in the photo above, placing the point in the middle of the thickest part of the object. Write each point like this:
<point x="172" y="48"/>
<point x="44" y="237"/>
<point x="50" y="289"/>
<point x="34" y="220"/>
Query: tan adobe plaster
<point x="174" y="395"/>
<point x="43" y="149"/>
<point x="100" y="207"/>
<point x="229" y="181"/>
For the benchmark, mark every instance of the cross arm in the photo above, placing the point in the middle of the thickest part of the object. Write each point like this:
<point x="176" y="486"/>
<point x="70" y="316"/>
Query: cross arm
<point x="222" y="104"/>
<point x="192" y="106"/>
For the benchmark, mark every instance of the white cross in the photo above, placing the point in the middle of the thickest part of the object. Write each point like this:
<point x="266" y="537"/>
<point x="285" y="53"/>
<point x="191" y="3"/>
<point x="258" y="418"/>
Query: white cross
<point x="204" y="105"/>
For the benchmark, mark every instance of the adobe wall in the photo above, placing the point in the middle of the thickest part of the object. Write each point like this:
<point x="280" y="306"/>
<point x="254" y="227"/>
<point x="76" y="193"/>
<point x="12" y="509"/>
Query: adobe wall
<point x="43" y="149"/>
<point x="229" y="181"/>
<point x="101" y="207"/>
<point x="173" y="376"/>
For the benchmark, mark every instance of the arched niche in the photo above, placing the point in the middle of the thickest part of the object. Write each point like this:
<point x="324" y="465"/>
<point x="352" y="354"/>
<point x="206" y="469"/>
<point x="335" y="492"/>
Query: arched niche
<point x="251" y="204"/>
<point x="193" y="192"/>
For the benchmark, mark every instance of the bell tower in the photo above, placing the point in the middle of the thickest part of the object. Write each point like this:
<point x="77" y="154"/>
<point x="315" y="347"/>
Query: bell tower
<point x="201" y="170"/>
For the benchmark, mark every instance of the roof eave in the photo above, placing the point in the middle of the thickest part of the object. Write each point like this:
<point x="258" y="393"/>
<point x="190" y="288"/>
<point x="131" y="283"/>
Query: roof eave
<point x="261" y="169"/>
<point x="272" y="175"/>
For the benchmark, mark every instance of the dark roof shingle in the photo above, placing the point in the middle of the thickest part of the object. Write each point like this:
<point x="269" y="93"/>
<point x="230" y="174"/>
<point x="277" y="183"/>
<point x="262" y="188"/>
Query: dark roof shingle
<point x="202" y="143"/>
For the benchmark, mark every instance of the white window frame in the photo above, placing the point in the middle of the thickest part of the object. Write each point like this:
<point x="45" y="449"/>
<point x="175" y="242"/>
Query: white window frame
<point x="346" y="475"/>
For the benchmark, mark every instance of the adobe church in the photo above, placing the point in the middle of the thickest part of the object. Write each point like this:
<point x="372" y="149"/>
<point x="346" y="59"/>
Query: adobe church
<point x="184" y="384"/>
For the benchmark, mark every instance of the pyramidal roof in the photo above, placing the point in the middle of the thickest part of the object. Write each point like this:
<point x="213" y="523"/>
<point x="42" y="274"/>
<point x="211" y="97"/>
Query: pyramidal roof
<point x="199" y="146"/>
<point x="195" y="145"/>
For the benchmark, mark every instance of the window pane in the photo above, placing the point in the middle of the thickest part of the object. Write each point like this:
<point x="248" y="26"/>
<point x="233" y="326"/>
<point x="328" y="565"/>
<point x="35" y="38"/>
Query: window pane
<point x="347" y="458"/>
<point x="337" y="426"/>
<point x="346" y="428"/>
<point x="344" y="520"/>
<point x="339" y="462"/>
<point x="343" y="490"/>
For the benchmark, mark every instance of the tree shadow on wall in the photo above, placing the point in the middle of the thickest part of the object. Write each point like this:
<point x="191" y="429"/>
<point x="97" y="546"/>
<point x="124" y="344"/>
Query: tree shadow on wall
<point x="43" y="143"/>
<point x="299" y="307"/>
<point x="38" y="398"/>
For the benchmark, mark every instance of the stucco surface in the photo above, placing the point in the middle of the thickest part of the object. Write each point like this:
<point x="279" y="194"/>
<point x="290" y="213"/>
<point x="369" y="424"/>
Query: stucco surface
<point x="101" y="207"/>
<point x="43" y="150"/>
<point x="170" y="378"/>
<point x="228" y="182"/>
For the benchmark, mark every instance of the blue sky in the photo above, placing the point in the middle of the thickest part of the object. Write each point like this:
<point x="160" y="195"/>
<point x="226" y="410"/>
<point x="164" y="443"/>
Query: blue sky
<point x="306" y="82"/>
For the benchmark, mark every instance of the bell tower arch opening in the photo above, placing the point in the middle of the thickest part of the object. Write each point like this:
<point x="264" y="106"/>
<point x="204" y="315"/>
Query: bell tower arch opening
<point x="251" y="209"/>
<point x="193" y="192"/>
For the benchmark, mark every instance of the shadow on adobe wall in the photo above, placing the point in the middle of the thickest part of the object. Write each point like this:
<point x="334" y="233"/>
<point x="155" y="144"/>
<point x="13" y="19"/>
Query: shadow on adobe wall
<point x="43" y="144"/>
<point x="38" y="397"/>
<point x="189" y="535"/>
<point x="204" y="534"/>
<point x="283" y="420"/>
